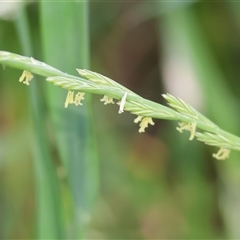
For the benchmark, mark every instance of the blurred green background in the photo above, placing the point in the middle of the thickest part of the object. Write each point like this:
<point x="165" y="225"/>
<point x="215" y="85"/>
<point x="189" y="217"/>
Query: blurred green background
<point x="85" y="172"/>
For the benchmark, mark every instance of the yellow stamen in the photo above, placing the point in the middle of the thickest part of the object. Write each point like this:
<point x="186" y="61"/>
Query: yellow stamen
<point x="27" y="76"/>
<point x="107" y="100"/>
<point x="78" y="98"/>
<point x="144" y="121"/>
<point x="189" y="127"/>
<point x="69" y="98"/>
<point x="222" y="154"/>
<point x="138" y="119"/>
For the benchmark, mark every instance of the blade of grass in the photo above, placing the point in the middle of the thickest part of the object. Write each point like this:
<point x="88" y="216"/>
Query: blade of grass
<point x="186" y="158"/>
<point x="47" y="187"/>
<point x="231" y="198"/>
<point x="186" y="29"/>
<point x="213" y="84"/>
<point x="72" y="126"/>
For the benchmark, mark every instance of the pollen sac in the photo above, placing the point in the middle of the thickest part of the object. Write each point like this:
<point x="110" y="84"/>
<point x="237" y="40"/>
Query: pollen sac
<point x="144" y="124"/>
<point x="189" y="127"/>
<point x="69" y="99"/>
<point x="107" y="100"/>
<point x="78" y="98"/>
<point x="138" y="119"/>
<point x="26" y="77"/>
<point x="222" y="154"/>
<point x="144" y="121"/>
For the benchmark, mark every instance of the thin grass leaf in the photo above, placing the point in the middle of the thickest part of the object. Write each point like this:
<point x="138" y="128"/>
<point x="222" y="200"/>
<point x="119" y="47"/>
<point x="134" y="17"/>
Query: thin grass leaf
<point x="218" y="100"/>
<point x="48" y="216"/>
<point x="75" y="139"/>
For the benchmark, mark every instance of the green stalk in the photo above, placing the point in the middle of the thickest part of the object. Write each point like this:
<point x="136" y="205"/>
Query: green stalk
<point x="47" y="189"/>
<point x="72" y="127"/>
<point x="186" y="29"/>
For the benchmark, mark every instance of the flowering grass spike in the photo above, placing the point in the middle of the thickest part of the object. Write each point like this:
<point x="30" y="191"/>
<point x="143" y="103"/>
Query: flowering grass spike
<point x="91" y="82"/>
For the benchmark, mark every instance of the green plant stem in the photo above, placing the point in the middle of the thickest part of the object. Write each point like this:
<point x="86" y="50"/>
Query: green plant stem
<point x="48" y="223"/>
<point x="72" y="128"/>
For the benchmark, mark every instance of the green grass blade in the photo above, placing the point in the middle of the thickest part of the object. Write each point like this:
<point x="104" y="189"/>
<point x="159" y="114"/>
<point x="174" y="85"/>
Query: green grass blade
<point x="47" y="189"/>
<point x="186" y="29"/>
<point x="72" y="125"/>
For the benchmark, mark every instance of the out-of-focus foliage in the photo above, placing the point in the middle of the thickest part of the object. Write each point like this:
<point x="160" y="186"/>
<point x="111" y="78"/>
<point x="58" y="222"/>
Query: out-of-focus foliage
<point x="156" y="185"/>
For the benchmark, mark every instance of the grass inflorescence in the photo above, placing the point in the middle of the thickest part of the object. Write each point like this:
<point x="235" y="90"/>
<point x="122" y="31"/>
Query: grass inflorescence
<point x="189" y="119"/>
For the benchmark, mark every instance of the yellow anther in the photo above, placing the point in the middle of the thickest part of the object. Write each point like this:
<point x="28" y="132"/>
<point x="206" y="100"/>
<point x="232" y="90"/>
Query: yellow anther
<point x="78" y="98"/>
<point x="27" y="76"/>
<point x="107" y="100"/>
<point x="144" y="121"/>
<point x="138" y="119"/>
<point x="69" y="99"/>
<point x="189" y="127"/>
<point x="222" y="154"/>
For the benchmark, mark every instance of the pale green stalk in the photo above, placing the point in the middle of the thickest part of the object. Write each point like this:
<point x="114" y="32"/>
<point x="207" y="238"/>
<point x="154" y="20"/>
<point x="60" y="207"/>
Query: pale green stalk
<point x="48" y="220"/>
<point x="73" y="129"/>
<point x="95" y="83"/>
